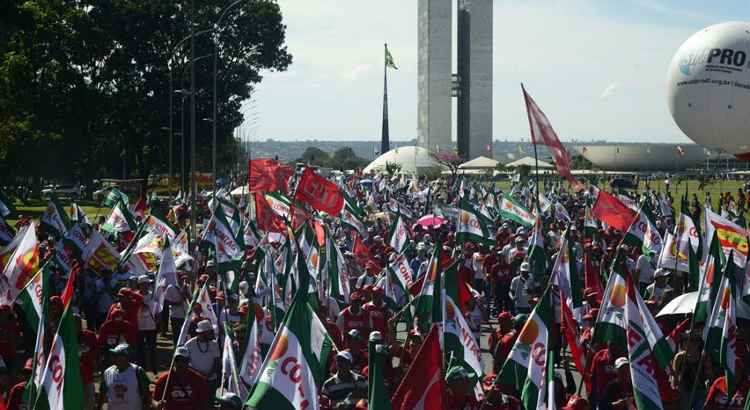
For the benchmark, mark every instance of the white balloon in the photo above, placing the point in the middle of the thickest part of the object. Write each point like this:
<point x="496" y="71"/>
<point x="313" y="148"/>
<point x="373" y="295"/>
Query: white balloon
<point x="708" y="88"/>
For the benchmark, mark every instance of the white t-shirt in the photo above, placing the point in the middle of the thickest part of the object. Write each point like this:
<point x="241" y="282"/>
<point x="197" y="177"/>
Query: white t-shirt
<point x="203" y="356"/>
<point x="146" y="319"/>
<point x="178" y="302"/>
<point x="646" y="268"/>
<point x="477" y="262"/>
<point x="519" y="293"/>
<point x="122" y="388"/>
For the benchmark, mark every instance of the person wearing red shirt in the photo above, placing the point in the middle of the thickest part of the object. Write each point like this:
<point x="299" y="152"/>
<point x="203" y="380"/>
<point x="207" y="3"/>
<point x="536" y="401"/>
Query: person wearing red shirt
<point x="717" y="394"/>
<point x="116" y="330"/>
<point x="602" y="371"/>
<point x="130" y="302"/>
<point x="354" y="317"/>
<point x="378" y="312"/>
<point x="15" y="399"/>
<point x="88" y="348"/>
<point x="182" y="387"/>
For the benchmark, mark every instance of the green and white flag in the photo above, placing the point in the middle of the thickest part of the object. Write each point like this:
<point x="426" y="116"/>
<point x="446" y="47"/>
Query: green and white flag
<point x="472" y="226"/>
<point x="389" y="59"/>
<point x="61" y="384"/>
<point x="296" y="362"/>
<point x="610" y="324"/>
<point x="230" y="380"/>
<point x="643" y="234"/>
<point x="526" y="367"/>
<point x="55" y="219"/>
<point x="645" y="389"/>
<point x="229" y="253"/>
<point x="645" y="327"/>
<point x="352" y="216"/>
<point x="114" y="196"/>
<point x="34" y="297"/>
<point x="120" y="220"/>
<point x="512" y="210"/>
<point x="709" y="282"/>
<point x="338" y="276"/>
<point x="720" y="330"/>
<point x="402" y="271"/>
<point x="399" y="236"/>
<point x="459" y="339"/>
<point x="77" y="214"/>
<point x="537" y="256"/>
<point x="427" y="307"/>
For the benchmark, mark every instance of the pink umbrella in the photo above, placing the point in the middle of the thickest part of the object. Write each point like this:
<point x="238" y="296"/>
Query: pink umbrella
<point x="430" y="220"/>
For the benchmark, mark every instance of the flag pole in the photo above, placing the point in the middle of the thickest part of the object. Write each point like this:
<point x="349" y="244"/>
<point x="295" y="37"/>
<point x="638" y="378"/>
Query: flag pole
<point x="385" y="144"/>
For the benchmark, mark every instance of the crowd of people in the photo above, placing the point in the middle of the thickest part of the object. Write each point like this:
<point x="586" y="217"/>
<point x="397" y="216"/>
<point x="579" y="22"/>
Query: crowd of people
<point x="172" y="320"/>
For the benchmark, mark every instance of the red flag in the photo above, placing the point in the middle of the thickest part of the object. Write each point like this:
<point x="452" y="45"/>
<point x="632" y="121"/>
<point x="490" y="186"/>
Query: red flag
<point x="423" y="386"/>
<point x="319" y="193"/>
<point x="140" y="208"/>
<point x="612" y="211"/>
<point x="543" y="134"/>
<point x="267" y="175"/>
<point x="362" y="253"/>
<point x="266" y="218"/>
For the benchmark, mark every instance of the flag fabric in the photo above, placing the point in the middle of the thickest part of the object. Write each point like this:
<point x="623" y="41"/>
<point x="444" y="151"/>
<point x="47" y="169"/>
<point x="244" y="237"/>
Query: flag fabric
<point x="670" y="257"/>
<point x="338" y="276"/>
<point x="422" y="386"/>
<point x="77" y="214"/>
<point x="590" y="227"/>
<point x="54" y="219"/>
<point x="399" y="236"/>
<point x="230" y="380"/>
<point x="389" y="59"/>
<point x="512" y="210"/>
<point x="265" y="217"/>
<point x="720" y="330"/>
<point x="319" y="193"/>
<point x="120" y="220"/>
<point x="252" y="359"/>
<point x="377" y="397"/>
<point x="166" y="276"/>
<point x="62" y="386"/>
<point x="732" y="237"/>
<point x="114" y="196"/>
<point x="473" y="226"/>
<point x="21" y="266"/>
<point x="162" y="228"/>
<point x="612" y="211"/>
<point x="610" y="324"/>
<point x="228" y="251"/>
<point x="591" y="277"/>
<point x="34" y="297"/>
<point x="352" y="216"/>
<point x="402" y="271"/>
<point x="526" y="365"/>
<point x="708" y="285"/>
<point x="543" y="134"/>
<point x="7" y="252"/>
<point x="565" y="276"/>
<point x="427" y="308"/>
<point x="643" y="234"/>
<point x="100" y="255"/>
<point x="537" y="258"/>
<point x="459" y="339"/>
<point x="642" y="366"/>
<point x="302" y="343"/>
<point x="268" y="175"/>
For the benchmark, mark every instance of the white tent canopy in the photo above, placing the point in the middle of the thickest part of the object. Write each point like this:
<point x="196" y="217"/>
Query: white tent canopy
<point x="411" y="159"/>
<point x="529" y="162"/>
<point x="479" y="163"/>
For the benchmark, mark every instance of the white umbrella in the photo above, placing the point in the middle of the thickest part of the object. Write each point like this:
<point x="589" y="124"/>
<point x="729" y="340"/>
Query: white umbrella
<point x="681" y="305"/>
<point x="685" y="304"/>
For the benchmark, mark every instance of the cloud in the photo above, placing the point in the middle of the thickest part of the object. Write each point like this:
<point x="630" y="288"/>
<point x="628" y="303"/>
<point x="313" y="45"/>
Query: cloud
<point x="610" y="90"/>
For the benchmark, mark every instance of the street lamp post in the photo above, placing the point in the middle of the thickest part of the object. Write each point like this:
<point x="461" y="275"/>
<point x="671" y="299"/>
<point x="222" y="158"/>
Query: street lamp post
<point x="194" y="185"/>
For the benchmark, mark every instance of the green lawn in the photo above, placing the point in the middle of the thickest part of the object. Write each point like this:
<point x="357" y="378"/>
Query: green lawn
<point x="35" y="207"/>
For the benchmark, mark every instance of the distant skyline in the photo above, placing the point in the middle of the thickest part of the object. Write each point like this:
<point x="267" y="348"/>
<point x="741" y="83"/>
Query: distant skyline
<point x="597" y="68"/>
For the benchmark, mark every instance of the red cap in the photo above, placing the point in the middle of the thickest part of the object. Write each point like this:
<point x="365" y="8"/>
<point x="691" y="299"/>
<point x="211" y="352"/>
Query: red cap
<point x="591" y="314"/>
<point x="355" y="295"/>
<point x="576" y="402"/>
<point x="504" y="315"/>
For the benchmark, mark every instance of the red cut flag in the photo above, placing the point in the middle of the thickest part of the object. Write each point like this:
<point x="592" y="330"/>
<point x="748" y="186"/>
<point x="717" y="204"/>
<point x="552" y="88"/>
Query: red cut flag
<point x="423" y="386"/>
<point x="319" y="193"/>
<point x="265" y="217"/>
<point x="543" y="134"/>
<point x="591" y="276"/>
<point x="362" y="253"/>
<point x="612" y="211"/>
<point x="267" y="175"/>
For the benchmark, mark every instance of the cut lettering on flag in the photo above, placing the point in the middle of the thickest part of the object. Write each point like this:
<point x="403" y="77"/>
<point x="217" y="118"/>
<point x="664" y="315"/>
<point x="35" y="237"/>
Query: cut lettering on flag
<point x="512" y="210"/>
<point x="319" y="193"/>
<point x="21" y="266"/>
<point x="612" y="211"/>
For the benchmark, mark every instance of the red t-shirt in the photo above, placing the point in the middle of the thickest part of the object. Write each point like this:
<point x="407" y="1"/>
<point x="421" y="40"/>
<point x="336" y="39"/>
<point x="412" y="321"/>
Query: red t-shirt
<point x="15" y="397"/>
<point x="602" y="369"/>
<point x="112" y="332"/>
<point x="9" y="334"/>
<point x="359" y="321"/>
<point x="185" y="389"/>
<point x="89" y="353"/>
<point x="379" y="316"/>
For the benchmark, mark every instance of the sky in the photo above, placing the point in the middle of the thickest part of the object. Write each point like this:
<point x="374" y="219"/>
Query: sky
<point x="597" y="68"/>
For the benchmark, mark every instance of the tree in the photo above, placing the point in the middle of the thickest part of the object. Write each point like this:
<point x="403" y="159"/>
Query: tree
<point x="344" y="158"/>
<point x="449" y="159"/>
<point x="315" y="156"/>
<point x="82" y="81"/>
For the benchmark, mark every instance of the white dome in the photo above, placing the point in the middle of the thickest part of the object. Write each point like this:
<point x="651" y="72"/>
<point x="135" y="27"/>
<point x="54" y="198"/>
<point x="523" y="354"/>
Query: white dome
<point x="412" y="160"/>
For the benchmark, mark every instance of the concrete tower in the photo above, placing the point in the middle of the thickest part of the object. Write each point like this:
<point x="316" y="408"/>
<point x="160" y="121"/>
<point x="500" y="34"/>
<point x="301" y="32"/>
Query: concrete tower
<point x="474" y="54"/>
<point x="434" y="74"/>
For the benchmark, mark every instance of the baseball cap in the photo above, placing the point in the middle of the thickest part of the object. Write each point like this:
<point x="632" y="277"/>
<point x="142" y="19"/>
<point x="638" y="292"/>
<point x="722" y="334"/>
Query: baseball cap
<point x="621" y="361"/>
<point x="525" y="267"/>
<point x="204" y="326"/>
<point x="345" y="355"/>
<point x="182" y="352"/>
<point x="121" y="349"/>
